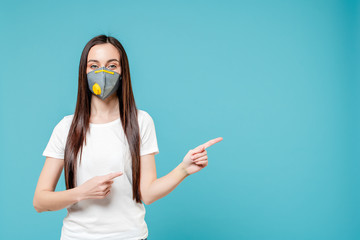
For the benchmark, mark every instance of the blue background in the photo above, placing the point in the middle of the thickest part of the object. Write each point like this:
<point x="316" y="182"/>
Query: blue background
<point x="278" y="80"/>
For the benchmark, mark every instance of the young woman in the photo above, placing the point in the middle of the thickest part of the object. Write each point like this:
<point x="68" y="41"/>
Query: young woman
<point x="107" y="149"/>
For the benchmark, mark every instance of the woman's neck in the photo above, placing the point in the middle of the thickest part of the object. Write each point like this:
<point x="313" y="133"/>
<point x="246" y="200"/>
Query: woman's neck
<point x="104" y="110"/>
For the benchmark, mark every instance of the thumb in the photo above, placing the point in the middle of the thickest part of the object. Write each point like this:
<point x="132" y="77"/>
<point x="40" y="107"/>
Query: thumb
<point x="198" y="149"/>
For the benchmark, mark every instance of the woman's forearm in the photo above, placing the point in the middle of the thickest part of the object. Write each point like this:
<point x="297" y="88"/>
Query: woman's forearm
<point x="53" y="201"/>
<point x="164" y="185"/>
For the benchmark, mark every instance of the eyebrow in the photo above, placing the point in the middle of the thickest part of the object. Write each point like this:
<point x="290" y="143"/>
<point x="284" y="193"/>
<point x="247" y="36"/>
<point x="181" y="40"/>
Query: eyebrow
<point x="110" y="60"/>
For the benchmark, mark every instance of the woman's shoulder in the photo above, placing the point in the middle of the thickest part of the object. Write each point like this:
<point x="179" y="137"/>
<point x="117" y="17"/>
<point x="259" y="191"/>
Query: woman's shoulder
<point x="68" y="118"/>
<point x="65" y="122"/>
<point x="143" y="115"/>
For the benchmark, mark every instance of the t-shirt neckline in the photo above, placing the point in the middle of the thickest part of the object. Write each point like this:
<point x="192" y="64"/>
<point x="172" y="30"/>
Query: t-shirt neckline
<point x="104" y="124"/>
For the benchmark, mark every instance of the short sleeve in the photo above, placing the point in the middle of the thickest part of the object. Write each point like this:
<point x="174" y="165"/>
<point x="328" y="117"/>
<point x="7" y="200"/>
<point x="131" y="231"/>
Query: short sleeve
<point x="148" y="135"/>
<point x="56" y="146"/>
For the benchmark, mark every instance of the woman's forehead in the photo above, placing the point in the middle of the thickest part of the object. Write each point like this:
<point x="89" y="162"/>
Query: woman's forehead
<point x="103" y="52"/>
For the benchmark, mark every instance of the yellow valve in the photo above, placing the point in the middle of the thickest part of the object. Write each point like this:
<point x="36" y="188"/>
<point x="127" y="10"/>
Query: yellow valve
<point x="96" y="89"/>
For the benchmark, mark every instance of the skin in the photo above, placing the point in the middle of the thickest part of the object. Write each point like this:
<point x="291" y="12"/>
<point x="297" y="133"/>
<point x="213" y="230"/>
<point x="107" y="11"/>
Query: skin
<point x="103" y="111"/>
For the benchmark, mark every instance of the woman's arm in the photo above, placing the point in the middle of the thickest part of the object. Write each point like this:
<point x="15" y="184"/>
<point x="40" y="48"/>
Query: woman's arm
<point x="152" y="188"/>
<point x="45" y="198"/>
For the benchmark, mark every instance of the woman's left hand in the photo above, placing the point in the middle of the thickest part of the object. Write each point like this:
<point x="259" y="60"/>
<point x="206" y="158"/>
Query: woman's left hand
<point x="196" y="159"/>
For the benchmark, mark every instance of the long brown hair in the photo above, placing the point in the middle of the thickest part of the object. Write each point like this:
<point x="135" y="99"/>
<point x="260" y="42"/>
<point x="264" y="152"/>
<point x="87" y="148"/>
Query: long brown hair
<point x="81" y="119"/>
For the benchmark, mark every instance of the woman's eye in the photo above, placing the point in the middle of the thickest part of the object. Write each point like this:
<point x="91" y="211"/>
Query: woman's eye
<point x="92" y="66"/>
<point x="112" y="65"/>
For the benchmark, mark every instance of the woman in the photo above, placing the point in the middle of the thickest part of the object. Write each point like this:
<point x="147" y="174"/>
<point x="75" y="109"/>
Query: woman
<point x="107" y="150"/>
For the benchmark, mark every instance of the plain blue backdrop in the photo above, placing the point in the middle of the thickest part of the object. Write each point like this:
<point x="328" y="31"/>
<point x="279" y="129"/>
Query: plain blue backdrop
<point x="278" y="80"/>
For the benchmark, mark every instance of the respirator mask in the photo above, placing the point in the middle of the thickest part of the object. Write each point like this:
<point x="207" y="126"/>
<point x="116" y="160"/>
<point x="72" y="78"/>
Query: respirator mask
<point x="103" y="82"/>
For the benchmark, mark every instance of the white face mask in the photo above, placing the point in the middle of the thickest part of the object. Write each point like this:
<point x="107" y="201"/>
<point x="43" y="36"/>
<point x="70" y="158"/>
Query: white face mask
<point x="103" y="82"/>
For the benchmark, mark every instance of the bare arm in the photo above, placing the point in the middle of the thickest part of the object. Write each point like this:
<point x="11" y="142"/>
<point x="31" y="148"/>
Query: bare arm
<point x="152" y="188"/>
<point x="45" y="197"/>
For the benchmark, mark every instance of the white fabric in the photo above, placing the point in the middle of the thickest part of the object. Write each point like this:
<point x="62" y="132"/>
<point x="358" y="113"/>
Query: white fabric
<point x="117" y="216"/>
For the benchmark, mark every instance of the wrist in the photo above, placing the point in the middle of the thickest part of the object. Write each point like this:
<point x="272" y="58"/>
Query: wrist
<point x="183" y="169"/>
<point x="78" y="194"/>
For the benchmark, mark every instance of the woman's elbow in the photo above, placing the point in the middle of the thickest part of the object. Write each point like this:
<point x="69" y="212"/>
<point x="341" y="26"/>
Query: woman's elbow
<point x="146" y="201"/>
<point x="37" y="205"/>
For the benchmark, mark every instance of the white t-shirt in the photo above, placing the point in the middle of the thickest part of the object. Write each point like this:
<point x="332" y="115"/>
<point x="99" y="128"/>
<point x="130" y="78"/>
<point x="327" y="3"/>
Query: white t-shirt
<point x="117" y="216"/>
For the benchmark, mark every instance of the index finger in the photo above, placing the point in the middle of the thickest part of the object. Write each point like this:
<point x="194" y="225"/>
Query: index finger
<point x="112" y="175"/>
<point x="202" y="147"/>
<point x="212" y="142"/>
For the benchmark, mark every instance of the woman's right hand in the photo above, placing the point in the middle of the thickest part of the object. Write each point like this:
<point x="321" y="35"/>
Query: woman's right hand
<point x="97" y="187"/>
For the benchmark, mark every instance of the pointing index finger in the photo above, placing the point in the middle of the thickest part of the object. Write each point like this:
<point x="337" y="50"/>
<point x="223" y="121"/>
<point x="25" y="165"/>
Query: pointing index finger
<point x="113" y="175"/>
<point x="212" y="142"/>
<point x="202" y="147"/>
